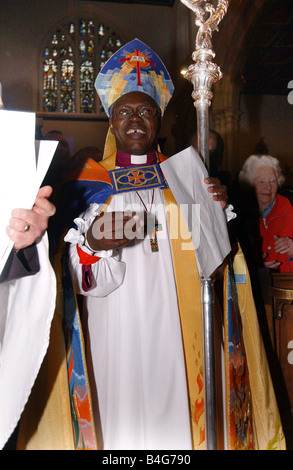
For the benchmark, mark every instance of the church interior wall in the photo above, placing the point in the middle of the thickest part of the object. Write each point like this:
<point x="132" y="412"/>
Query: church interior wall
<point x="25" y="24"/>
<point x="267" y="117"/>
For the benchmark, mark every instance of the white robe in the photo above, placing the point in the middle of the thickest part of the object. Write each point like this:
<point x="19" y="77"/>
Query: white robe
<point x="134" y="336"/>
<point x="26" y="310"/>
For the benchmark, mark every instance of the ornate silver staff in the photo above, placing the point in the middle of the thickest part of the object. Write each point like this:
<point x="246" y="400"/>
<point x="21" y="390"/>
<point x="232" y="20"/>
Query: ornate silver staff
<point x="203" y="74"/>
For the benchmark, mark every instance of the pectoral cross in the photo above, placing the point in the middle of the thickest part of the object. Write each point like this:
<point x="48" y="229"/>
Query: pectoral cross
<point x="153" y="238"/>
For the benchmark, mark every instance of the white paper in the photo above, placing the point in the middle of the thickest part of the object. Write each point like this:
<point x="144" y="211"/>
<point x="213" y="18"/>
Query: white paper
<point x="45" y="153"/>
<point x="1" y="102"/>
<point x="185" y="173"/>
<point x="19" y="178"/>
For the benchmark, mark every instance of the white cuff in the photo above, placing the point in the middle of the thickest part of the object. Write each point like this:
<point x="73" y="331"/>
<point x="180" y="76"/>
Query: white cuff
<point x="83" y="222"/>
<point x="87" y="249"/>
<point x="229" y="213"/>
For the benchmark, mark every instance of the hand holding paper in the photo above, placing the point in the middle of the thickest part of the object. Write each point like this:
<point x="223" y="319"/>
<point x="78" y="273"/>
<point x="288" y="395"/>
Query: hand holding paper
<point x="26" y="226"/>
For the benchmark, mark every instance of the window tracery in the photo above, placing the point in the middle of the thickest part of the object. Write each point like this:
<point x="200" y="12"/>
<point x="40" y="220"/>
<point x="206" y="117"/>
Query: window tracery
<point x="72" y="58"/>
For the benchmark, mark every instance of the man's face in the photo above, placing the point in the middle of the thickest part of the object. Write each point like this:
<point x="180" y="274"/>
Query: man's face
<point x="133" y="124"/>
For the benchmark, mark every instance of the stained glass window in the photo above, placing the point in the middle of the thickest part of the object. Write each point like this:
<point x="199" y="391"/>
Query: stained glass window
<point x="87" y="77"/>
<point x="50" y="85"/>
<point x="72" y="58"/>
<point x="67" y="87"/>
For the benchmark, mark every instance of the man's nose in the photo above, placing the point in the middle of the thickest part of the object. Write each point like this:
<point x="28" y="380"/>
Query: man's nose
<point x="135" y="114"/>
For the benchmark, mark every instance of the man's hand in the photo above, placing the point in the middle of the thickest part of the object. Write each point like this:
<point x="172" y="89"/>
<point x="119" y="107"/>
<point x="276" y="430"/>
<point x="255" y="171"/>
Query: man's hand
<point x="219" y="190"/>
<point x="26" y="226"/>
<point x="113" y="230"/>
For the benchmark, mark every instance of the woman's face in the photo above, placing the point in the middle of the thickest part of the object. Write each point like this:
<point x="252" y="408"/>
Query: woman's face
<point x="266" y="186"/>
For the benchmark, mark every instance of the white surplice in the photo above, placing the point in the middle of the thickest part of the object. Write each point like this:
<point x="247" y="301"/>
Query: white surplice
<point x="134" y="336"/>
<point x="26" y="311"/>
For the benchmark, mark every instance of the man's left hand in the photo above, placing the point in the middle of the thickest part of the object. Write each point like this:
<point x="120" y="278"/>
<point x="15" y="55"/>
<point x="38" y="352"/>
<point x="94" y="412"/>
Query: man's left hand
<point x="219" y="190"/>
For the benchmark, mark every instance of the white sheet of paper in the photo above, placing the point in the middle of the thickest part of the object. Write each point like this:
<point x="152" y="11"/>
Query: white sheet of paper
<point x="19" y="178"/>
<point x="45" y="154"/>
<point x="185" y="173"/>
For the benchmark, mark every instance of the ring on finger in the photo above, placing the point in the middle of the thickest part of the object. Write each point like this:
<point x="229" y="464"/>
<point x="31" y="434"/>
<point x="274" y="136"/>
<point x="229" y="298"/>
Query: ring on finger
<point x="26" y="228"/>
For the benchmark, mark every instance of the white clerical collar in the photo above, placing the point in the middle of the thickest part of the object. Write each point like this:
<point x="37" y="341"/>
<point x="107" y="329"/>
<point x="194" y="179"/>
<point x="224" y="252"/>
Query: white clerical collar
<point x="138" y="159"/>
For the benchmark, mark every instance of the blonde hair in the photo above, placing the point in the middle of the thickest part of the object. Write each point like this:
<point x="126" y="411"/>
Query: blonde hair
<point x="253" y="162"/>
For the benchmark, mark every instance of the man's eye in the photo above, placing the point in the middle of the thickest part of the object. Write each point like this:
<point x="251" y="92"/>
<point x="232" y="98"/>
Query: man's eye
<point x="147" y="112"/>
<point x="123" y="112"/>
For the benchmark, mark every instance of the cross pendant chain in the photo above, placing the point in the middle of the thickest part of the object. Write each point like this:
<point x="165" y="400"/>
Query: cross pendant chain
<point x="157" y="228"/>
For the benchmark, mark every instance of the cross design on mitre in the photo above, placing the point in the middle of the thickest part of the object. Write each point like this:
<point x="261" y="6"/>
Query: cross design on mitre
<point x="140" y="60"/>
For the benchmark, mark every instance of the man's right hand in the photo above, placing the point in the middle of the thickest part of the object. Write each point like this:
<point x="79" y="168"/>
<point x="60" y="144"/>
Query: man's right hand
<point x="113" y="230"/>
<point x="26" y="226"/>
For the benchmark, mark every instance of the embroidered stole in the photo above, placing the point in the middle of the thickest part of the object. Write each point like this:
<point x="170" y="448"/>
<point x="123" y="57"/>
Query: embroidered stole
<point x="189" y="300"/>
<point x="251" y="403"/>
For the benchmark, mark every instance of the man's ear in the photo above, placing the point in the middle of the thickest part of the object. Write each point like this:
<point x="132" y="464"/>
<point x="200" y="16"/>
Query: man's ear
<point x="111" y="125"/>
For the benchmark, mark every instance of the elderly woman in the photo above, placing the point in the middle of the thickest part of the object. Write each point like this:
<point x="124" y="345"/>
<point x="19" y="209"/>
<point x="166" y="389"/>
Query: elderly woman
<point x="263" y="175"/>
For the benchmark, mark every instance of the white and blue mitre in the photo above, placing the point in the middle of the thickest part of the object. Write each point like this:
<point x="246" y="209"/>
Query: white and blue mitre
<point x="134" y="67"/>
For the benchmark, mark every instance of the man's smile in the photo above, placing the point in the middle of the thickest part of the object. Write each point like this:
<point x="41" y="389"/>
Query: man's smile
<point x="135" y="131"/>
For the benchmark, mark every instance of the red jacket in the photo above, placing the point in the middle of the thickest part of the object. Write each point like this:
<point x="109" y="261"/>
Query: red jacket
<point x="278" y="222"/>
